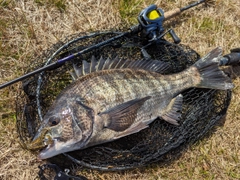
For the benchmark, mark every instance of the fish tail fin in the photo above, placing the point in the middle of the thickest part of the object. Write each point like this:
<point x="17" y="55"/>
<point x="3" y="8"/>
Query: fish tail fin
<point x="210" y="74"/>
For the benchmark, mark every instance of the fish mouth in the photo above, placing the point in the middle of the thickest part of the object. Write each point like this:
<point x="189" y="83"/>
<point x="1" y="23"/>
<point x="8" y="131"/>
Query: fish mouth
<point x="41" y="141"/>
<point x="54" y="148"/>
<point x="46" y="143"/>
<point x="48" y="150"/>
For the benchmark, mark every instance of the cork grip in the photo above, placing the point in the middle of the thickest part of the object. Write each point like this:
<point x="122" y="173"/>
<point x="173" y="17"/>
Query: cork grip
<point x="172" y="13"/>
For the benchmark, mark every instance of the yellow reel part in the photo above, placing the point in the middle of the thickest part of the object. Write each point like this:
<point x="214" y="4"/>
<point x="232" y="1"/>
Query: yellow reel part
<point x="153" y="15"/>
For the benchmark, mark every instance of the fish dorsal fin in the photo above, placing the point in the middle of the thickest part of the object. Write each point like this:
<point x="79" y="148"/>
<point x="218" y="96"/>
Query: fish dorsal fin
<point x="85" y="67"/>
<point x="77" y="70"/>
<point x="93" y="64"/>
<point x="100" y="64"/>
<point x="107" y="64"/>
<point x="103" y="64"/>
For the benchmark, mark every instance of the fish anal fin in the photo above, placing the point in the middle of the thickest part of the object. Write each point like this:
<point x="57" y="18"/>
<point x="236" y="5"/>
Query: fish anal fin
<point x="131" y="130"/>
<point x="122" y="116"/>
<point x="173" y="111"/>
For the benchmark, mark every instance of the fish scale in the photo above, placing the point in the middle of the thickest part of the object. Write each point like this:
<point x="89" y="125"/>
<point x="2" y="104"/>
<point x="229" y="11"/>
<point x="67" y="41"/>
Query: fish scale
<point x="123" y="89"/>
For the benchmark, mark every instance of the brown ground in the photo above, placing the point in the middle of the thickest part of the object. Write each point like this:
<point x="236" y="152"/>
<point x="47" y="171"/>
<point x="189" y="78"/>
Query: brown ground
<point x="29" y="27"/>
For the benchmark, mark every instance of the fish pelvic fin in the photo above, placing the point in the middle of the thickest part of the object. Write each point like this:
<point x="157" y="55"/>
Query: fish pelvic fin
<point x="208" y="74"/>
<point x="173" y="111"/>
<point x="117" y="63"/>
<point x="121" y="117"/>
<point x="133" y="129"/>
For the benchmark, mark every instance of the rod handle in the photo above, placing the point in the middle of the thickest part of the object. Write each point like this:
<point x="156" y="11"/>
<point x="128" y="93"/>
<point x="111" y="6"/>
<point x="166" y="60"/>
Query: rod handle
<point x="233" y="58"/>
<point x="170" y="14"/>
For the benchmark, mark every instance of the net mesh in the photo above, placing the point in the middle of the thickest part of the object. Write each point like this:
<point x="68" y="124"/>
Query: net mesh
<point x="161" y="142"/>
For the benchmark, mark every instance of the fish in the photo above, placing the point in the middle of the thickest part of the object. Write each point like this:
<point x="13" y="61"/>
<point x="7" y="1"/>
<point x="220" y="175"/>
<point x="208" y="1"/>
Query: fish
<point x="113" y="98"/>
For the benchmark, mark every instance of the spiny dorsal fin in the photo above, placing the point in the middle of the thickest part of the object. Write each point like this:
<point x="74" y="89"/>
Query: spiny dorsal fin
<point x="102" y="64"/>
<point x="77" y="70"/>
<point x="85" y="67"/>
<point x="107" y="64"/>
<point x="93" y="64"/>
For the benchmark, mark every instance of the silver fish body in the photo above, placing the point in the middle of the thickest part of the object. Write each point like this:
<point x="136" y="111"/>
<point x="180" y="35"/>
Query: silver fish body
<point x="113" y="99"/>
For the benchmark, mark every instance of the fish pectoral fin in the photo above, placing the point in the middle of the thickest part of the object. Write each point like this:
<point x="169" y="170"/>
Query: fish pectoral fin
<point x="173" y="111"/>
<point x="134" y="129"/>
<point x="122" y="116"/>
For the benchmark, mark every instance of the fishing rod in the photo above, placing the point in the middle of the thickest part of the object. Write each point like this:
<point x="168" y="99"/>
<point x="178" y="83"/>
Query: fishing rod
<point x="150" y="25"/>
<point x="177" y="11"/>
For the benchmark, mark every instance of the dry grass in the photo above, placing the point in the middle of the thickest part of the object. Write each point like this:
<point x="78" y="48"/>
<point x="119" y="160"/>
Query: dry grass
<point x="29" y="27"/>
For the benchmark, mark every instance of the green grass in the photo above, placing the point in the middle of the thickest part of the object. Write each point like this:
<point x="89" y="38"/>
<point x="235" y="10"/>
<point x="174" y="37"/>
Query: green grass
<point x="129" y="10"/>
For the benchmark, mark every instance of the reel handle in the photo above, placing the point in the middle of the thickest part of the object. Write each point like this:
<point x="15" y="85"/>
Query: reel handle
<point x="176" y="39"/>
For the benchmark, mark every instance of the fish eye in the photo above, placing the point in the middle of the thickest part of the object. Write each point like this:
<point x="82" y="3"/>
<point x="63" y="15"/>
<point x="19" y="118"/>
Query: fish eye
<point x="53" y="121"/>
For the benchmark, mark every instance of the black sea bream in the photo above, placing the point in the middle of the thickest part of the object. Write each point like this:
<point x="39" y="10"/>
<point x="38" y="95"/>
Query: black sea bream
<point x="110" y="99"/>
